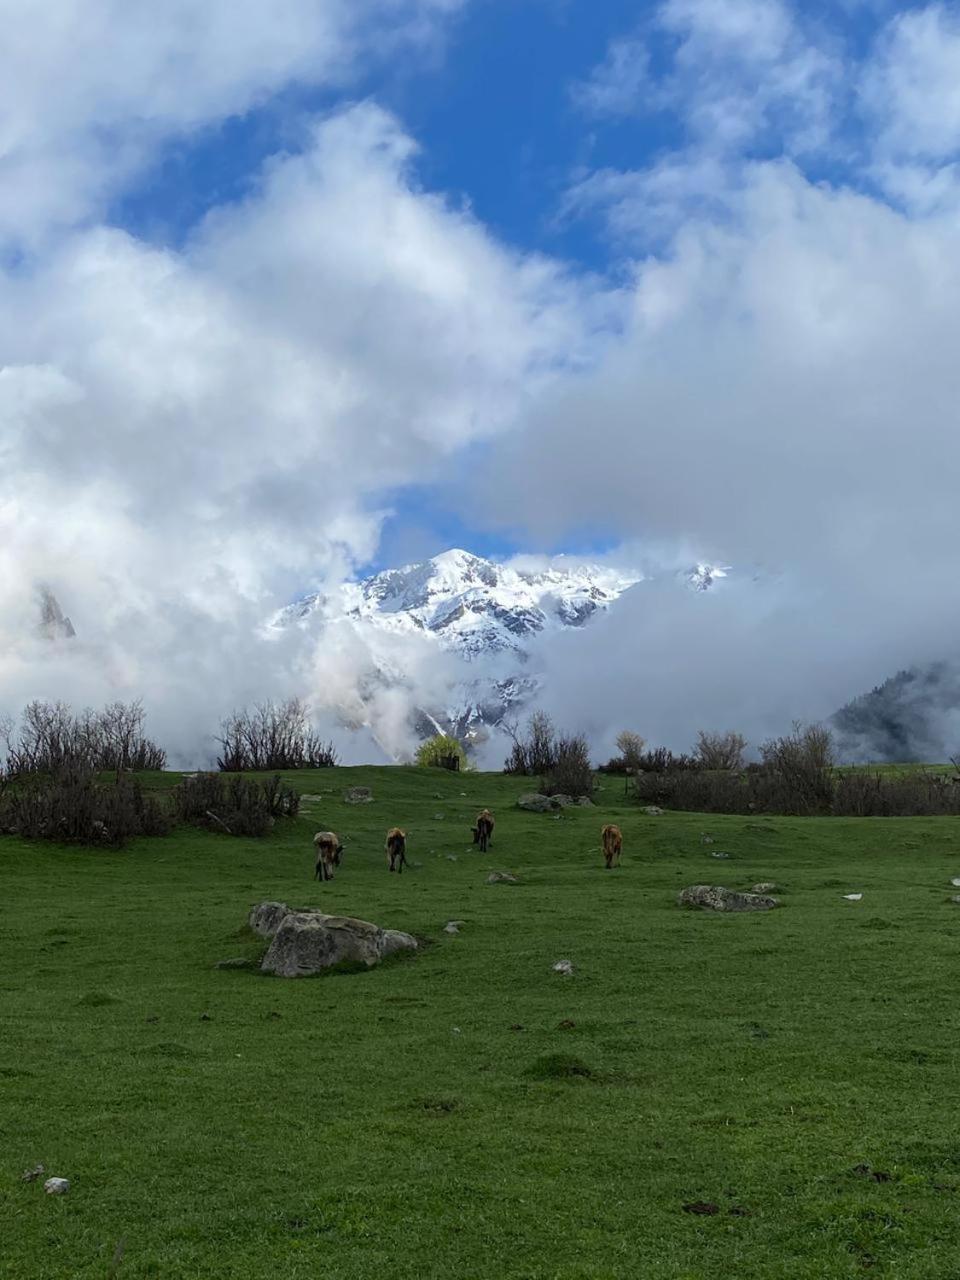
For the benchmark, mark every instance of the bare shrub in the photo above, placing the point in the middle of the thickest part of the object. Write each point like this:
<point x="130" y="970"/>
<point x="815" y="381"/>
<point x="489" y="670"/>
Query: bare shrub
<point x="861" y="794"/>
<point x="533" y="753"/>
<point x="720" y="750"/>
<point x="51" y="738"/>
<point x="803" y="761"/>
<point x="239" y="806"/>
<point x="572" y="773"/>
<point x="272" y="736"/>
<point x="694" y="789"/>
<point x="73" y="805"/>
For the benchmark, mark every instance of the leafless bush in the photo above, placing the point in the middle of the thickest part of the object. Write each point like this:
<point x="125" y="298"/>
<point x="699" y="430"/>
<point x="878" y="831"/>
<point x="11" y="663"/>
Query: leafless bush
<point x="803" y="761"/>
<point x="73" y="805"/>
<point x="720" y="750"/>
<point x="872" y="795"/>
<point x="536" y="752"/>
<point x="272" y="736"/>
<point x="572" y="773"/>
<point x="655" y="760"/>
<point x="51" y="738"/>
<point x="239" y="806"/>
<point x="696" y="790"/>
<point x="797" y="776"/>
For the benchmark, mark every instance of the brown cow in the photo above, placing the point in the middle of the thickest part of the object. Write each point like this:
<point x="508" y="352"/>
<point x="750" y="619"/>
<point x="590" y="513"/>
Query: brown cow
<point x="483" y="831"/>
<point x="612" y="841"/>
<point x="329" y="851"/>
<point x="396" y="848"/>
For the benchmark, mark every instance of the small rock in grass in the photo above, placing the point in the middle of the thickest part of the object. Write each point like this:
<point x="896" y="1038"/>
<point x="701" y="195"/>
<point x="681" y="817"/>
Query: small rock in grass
<point x="701" y="1207"/>
<point x="31" y="1175"/>
<point x="452" y="926"/>
<point x="357" y="795"/>
<point x="451" y="857"/>
<point x="517" y="1026"/>
<point x="956" y="899"/>
<point x="501" y="877"/>
<point x="205" y="1017"/>
<point x="563" y="966"/>
<point x="852" y="897"/>
<point x="567" y="1024"/>
<point x="765" y="886"/>
<point x="705" y="839"/>
<point x="956" y="882"/>
<point x="57" y="1186"/>
<point x="719" y="854"/>
<point x="653" y="810"/>
<point x="438" y="817"/>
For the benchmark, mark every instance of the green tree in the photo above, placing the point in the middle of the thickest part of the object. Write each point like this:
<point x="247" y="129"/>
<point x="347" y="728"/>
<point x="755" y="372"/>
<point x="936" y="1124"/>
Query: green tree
<point x="439" y="750"/>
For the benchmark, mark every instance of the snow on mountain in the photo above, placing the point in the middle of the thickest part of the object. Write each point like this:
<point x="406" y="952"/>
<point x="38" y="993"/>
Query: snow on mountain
<point x="470" y="605"/>
<point x="483" y="616"/>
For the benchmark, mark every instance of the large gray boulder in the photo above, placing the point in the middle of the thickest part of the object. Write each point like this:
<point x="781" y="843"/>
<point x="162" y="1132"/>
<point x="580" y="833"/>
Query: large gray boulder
<point x="714" y="897"/>
<point x="308" y="942"/>
<point x="266" y="917"/>
<point x="533" y="802"/>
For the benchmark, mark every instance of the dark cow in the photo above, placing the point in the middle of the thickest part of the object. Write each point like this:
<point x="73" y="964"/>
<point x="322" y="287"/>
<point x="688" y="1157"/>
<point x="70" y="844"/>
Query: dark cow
<point x="483" y="831"/>
<point x="396" y="848"/>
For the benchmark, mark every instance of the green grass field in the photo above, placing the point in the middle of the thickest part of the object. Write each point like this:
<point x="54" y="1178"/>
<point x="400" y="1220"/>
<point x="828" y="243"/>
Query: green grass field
<point x="467" y="1112"/>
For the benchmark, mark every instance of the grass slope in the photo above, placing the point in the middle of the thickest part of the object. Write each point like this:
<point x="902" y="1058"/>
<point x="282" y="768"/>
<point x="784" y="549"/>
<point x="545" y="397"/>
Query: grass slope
<point x="436" y="1116"/>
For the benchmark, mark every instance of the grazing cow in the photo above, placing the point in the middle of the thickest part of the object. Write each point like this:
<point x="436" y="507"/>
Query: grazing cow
<point x="483" y="831"/>
<point x="396" y="848"/>
<point x="612" y="841"/>
<point x="329" y="851"/>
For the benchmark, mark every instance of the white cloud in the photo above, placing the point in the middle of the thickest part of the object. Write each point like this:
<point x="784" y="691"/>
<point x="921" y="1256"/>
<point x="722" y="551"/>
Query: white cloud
<point x="189" y="437"/>
<point x="911" y="88"/>
<point x="739" y="73"/>
<point x="89" y="91"/>
<point x="620" y="83"/>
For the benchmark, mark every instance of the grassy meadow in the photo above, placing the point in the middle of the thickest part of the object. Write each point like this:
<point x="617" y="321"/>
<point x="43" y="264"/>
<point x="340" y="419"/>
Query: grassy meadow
<point x="467" y="1112"/>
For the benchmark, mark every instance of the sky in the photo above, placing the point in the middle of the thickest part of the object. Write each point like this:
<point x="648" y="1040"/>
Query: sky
<point x="293" y="292"/>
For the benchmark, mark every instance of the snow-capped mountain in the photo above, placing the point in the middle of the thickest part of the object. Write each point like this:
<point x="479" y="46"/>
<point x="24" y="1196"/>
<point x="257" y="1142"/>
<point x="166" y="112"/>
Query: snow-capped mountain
<point x="472" y="606"/>
<point x="480" y="620"/>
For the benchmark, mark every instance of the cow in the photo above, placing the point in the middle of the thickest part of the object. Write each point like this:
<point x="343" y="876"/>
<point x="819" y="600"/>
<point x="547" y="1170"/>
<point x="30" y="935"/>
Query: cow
<point x="396" y="848"/>
<point x="612" y="842"/>
<point x="483" y="831"/>
<point x="329" y="852"/>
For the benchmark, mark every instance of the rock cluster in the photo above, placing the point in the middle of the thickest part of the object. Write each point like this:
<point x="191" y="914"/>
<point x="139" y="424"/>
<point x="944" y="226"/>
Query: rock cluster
<point x="714" y="897"/>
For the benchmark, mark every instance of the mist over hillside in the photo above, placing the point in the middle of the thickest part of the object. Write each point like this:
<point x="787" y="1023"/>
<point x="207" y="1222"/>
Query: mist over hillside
<point x="912" y="716"/>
